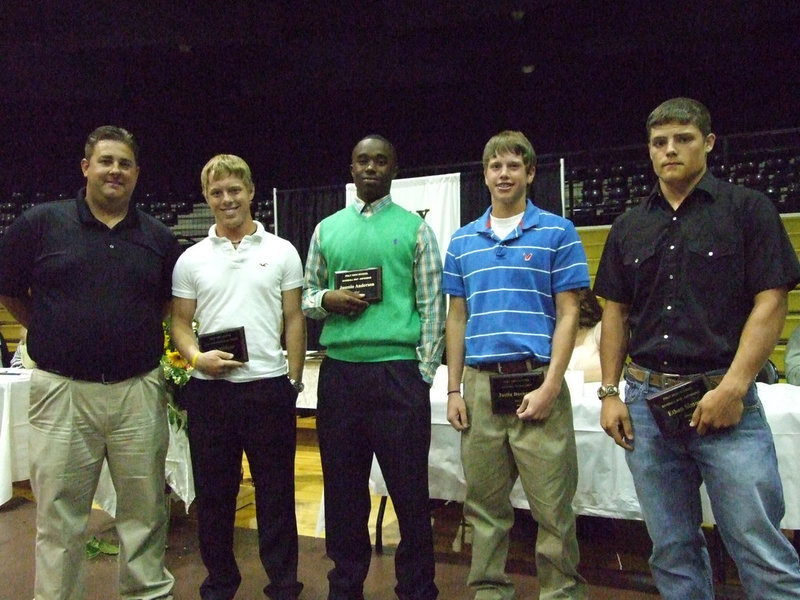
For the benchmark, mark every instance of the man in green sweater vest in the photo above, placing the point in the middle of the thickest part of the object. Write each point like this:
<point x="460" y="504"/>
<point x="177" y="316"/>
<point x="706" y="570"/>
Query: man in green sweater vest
<point x="383" y="344"/>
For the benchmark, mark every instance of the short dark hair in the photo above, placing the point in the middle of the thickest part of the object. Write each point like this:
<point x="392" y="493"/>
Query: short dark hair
<point x="680" y="110"/>
<point x="514" y="142"/>
<point x="111" y="132"/>
<point x="380" y="138"/>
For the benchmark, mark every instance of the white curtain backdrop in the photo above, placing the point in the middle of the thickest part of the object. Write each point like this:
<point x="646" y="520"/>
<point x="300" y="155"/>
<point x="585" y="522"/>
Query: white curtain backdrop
<point x="436" y="198"/>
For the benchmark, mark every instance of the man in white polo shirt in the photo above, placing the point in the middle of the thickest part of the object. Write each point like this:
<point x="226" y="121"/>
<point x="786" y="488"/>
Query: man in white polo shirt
<point x="241" y="276"/>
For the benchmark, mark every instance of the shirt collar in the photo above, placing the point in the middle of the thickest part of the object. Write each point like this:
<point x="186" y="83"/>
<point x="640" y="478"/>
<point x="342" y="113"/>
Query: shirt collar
<point x="706" y="186"/>
<point x="530" y="218"/>
<point x="256" y="236"/>
<point x="131" y="218"/>
<point x="375" y="206"/>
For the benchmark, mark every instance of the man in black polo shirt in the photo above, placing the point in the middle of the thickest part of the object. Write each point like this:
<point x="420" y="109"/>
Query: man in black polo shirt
<point x="91" y="280"/>
<point x="695" y="281"/>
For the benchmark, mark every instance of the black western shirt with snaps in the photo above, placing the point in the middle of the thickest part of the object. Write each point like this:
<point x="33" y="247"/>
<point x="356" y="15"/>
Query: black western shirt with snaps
<point x="97" y="294"/>
<point x="689" y="276"/>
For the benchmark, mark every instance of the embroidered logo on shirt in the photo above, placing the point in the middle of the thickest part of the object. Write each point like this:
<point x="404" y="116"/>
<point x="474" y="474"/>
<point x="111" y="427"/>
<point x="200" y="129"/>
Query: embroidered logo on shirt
<point x="527" y="256"/>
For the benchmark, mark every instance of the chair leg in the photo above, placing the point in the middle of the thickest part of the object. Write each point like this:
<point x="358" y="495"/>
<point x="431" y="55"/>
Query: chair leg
<point x="379" y="526"/>
<point x="718" y="555"/>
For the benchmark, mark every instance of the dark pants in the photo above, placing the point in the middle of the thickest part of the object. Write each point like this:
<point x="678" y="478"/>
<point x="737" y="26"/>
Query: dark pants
<point x="259" y="418"/>
<point x="381" y="408"/>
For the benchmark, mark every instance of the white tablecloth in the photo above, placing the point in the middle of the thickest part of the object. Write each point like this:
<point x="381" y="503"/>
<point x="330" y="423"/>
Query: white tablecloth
<point x="14" y="387"/>
<point x="605" y="485"/>
<point x="14" y="393"/>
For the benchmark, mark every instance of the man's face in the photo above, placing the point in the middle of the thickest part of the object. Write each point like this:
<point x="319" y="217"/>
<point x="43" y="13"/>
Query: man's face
<point x="373" y="168"/>
<point x="507" y="179"/>
<point x="229" y="199"/>
<point x="678" y="153"/>
<point x="111" y="172"/>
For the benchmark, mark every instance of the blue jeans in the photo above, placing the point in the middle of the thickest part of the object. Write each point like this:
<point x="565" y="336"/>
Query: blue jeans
<point x="740" y="470"/>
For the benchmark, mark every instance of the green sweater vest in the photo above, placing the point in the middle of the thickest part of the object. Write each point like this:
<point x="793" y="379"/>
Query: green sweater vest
<point x="389" y="329"/>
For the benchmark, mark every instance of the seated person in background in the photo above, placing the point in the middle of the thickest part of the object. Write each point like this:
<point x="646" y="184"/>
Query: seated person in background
<point x="21" y="360"/>
<point x="793" y="358"/>
<point x="5" y="354"/>
<point x="586" y="354"/>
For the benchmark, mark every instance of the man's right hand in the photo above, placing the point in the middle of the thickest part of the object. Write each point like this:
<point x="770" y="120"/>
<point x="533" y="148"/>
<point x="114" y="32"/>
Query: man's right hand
<point x="344" y="302"/>
<point x="616" y="421"/>
<point x="457" y="412"/>
<point x="216" y="363"/>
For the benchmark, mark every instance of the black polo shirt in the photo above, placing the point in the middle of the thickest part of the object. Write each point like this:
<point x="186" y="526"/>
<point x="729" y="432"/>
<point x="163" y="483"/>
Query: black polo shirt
<point x="690" y="275"/>
<point x="97" y="294"/>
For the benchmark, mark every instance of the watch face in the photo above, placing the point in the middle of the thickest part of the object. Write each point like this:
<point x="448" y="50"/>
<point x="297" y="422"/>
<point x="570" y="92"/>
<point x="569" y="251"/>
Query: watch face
<point x="607" y="390"/>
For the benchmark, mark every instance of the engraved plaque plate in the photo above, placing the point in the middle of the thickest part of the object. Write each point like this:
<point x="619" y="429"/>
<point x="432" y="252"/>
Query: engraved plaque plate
<point x="507" y="391"/>
<point x="230" y="340"/>
<point x="364" y="281"/>
<point x="672" y="408"/>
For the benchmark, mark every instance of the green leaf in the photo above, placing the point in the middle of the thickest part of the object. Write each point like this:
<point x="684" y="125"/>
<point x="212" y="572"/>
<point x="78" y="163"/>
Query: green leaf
<point x="109" y="548"/>
<point x="95" y="547"/>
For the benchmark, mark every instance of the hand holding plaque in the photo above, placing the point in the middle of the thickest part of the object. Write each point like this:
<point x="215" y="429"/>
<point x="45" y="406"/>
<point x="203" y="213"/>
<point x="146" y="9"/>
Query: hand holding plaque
<point x="230" y="340"/>
<point x="673" y="407"/>
<point x="507" y="391"/>
<point x="364" y="281"/>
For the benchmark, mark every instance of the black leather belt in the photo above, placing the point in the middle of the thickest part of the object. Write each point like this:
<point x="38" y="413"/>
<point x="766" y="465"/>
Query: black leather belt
<point x="664" y="380"/>
<point x="513" y="366"/>
<point x="103" y="378"/>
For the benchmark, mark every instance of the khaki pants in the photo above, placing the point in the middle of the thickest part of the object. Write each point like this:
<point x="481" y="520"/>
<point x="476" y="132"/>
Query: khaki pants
<point x="74" y="426"/>
<point x="494" y="450"/>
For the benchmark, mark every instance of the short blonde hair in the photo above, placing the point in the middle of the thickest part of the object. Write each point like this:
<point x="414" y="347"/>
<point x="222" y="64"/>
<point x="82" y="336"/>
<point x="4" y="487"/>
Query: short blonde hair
<point x="223" y="165"/>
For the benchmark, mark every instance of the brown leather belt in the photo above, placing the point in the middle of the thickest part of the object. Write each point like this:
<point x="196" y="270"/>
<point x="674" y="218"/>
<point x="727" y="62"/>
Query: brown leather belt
<point x="513" y="366"/>
<point x="664" y="380"/>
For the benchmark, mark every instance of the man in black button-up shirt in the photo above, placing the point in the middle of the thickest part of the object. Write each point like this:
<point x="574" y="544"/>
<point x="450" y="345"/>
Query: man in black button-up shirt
<point x="696" y="281"/>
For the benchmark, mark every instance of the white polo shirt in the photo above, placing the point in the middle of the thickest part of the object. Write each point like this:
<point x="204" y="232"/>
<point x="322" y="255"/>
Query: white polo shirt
<point x="241" y="286"/>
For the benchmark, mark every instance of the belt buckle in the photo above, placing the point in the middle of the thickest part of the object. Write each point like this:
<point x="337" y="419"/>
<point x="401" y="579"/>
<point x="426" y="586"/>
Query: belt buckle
<point x="670" y="379"/>
<point x="514" y="367"/>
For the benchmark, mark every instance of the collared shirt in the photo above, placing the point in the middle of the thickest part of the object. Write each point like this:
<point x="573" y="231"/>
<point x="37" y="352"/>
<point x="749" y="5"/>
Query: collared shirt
<point x="690" y="275"/>
<point x="97" y="294"/>
<point x="510" y="285"/>
<point x="427" y="278"/>
<point x="241" y="287"/>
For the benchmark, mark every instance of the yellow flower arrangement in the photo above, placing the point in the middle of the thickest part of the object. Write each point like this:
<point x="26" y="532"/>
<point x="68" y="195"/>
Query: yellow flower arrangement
<point x="177" y="372"/>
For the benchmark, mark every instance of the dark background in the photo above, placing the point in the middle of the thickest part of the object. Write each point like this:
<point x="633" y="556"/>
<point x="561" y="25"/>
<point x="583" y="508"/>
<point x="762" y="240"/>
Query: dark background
<point x="291" y="86"/>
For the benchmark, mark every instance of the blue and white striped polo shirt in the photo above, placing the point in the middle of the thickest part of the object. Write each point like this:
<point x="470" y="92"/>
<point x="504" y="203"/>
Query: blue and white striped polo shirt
<point x="510" y="285"/>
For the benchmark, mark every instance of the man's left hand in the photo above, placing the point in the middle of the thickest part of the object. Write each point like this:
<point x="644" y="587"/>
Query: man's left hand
<point x="537" y="404"/>
<point x="717" y="410"/>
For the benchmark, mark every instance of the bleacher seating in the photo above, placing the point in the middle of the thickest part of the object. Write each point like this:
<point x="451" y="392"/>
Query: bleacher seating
<point x="598" y="188"/>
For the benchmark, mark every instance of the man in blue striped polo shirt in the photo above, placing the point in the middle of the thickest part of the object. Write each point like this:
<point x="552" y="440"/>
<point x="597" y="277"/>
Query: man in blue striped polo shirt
<point x="513" y="277"/>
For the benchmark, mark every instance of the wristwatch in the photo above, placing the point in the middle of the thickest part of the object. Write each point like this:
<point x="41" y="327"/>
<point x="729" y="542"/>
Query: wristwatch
<point x="298" y="386"/>
<point x="607" y="390"/>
